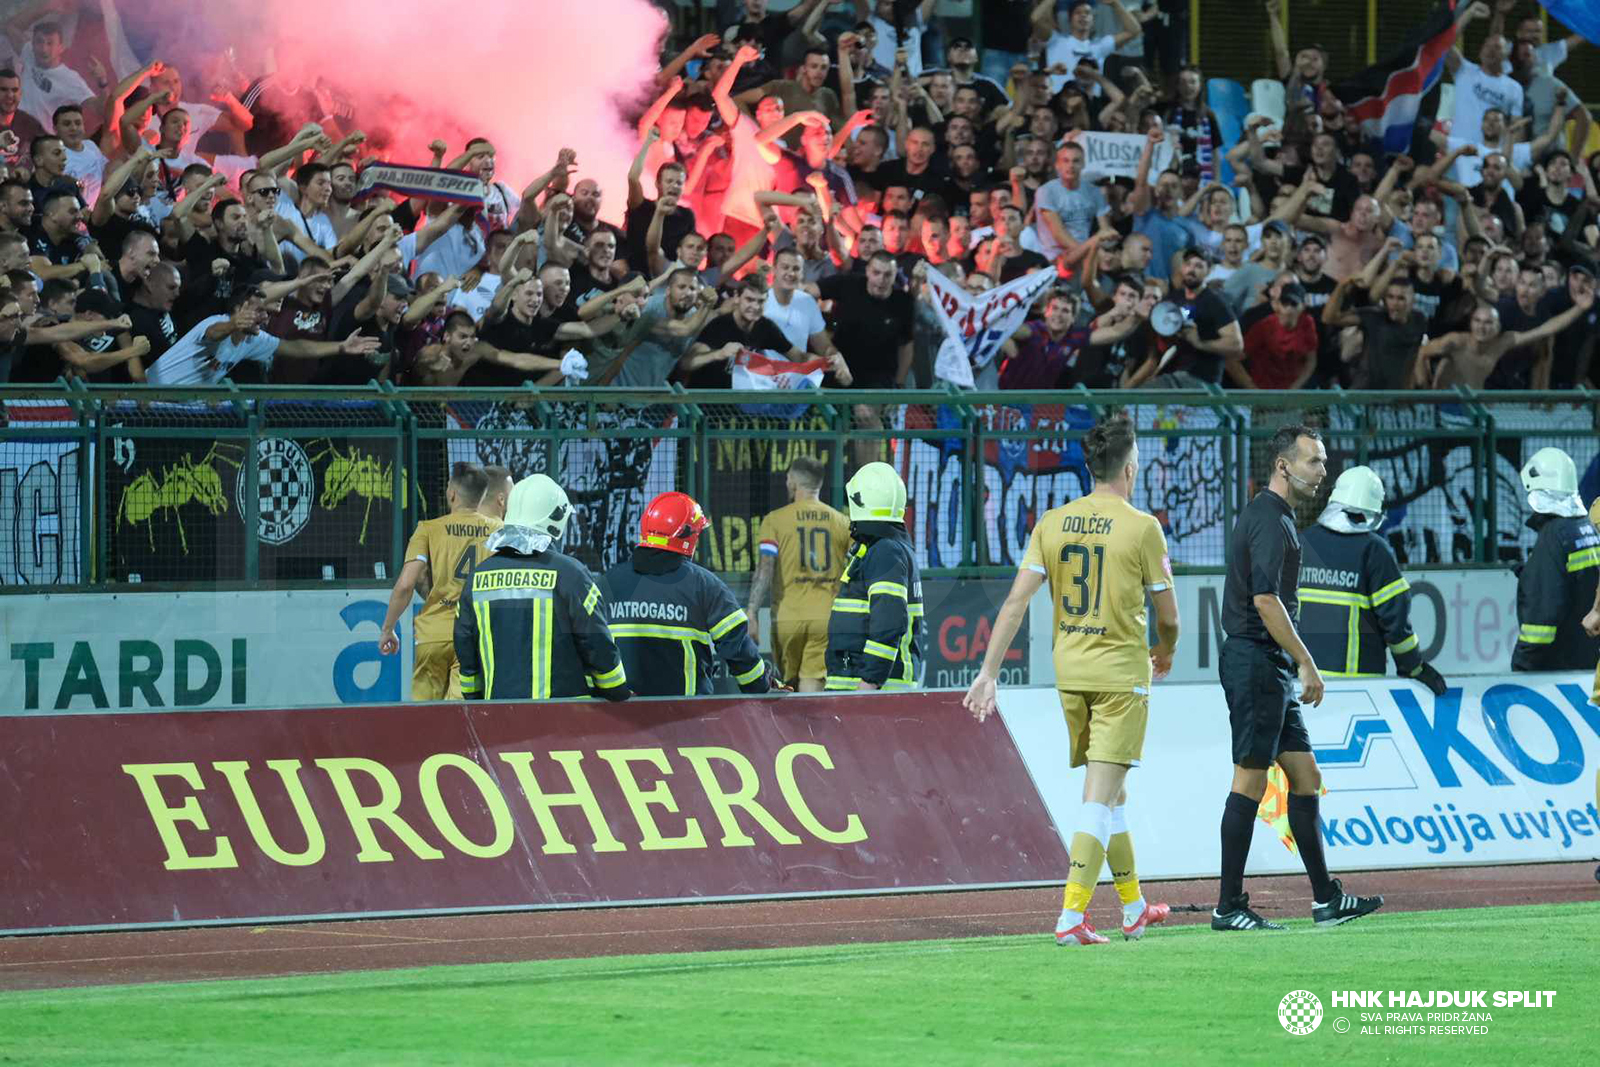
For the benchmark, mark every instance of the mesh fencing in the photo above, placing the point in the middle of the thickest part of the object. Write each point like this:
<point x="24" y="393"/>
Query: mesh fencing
<point x="124" y="488"/>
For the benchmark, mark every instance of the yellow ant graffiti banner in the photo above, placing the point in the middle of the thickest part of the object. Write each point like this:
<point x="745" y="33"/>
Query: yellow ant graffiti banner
<point x="177" y="507"/>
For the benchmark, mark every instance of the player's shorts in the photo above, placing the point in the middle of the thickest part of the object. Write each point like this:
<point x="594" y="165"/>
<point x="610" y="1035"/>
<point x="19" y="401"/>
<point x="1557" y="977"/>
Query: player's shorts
<point x="1106" y="727"/>
<point x="1258" y="681"/>
<point x="437" y="675"/>
<point x="801" y="646"/>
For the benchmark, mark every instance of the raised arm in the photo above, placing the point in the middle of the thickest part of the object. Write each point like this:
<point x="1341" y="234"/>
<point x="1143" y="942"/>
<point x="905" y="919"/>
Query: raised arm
<point x="1043" y="20"/>
<point x="636" y="172"/>
<point x="699" y="49"/>
<point x="1131" y="30"/>
<point x="1550" y="327"/>
<point x="1280" y="39"/>
<point x="423" y="305"/>
<point x="652" y="114"/>
<point x="105" y="203"/>
<point x="1333" y="313"/>
<point x="721" y="93"/>
<point x="1467" y="12"/>
<point x="1139" y="199"/>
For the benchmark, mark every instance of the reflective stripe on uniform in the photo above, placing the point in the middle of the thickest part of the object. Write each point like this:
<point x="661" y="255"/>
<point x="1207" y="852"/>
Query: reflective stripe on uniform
<point x="881" y="650"/>
<point x="1352" y="641"/>
<point x="898" y="683"/>
<point x="591" y="600"/>
<point x="752" y="674"/>
<point x="470" y="683"/>
<point x="719" y="630"/>
<point x="691" y="677"/>
<point x="1537" y="635"/>
<point x="834" y="681"/>
<point x="887" y="589"/>
<point x="543" y="609"/>
<point x="666" y="633"/>
<point x="1404" y="646"/>
<point x="850" y="605"/>
<point x="1390" y="591"/>
<point x="1583" y="559"/>
<point x="612" y="678"/>
<point x="485" y="646"/>
<point x="1333" y="596"/>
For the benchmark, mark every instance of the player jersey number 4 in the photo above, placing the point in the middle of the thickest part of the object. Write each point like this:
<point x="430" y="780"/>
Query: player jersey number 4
<point x="1101" y="556"/>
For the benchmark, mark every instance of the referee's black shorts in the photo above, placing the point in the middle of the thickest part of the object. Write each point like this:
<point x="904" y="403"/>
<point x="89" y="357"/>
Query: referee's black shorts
<point x="1258" y="681"/>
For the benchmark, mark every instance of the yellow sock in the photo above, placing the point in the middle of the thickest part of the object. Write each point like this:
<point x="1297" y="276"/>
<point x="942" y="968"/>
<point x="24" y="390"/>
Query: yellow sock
<point x="1087" y="858"/>
<point x="1119" y="853"/>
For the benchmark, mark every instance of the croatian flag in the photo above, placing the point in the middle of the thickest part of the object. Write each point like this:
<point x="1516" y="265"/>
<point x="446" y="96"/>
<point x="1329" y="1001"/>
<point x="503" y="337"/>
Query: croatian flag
<point x="1386" y="99"/>
<point x="768" y="370"/>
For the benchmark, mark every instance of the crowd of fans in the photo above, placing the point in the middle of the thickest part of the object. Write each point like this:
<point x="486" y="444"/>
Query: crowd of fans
<point x="798" y="175"/>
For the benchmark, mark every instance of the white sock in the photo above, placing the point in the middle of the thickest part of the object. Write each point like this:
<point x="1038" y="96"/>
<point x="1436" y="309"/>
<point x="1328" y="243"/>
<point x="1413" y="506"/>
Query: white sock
<point x="1131" y="912"/>
<point x="1068" y="920"/>
<point x="1119" y="820"/>
<point x="1095" y="820"/>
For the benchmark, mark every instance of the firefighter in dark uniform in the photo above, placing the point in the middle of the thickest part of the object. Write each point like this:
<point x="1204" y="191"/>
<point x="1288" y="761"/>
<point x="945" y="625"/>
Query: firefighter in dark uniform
<point x="531" y="623"/>
<point x="1556" y="586"/>
<point x="673" y="619"/>
<point x="1355" y="607"/>
<point x="875" y="630"/>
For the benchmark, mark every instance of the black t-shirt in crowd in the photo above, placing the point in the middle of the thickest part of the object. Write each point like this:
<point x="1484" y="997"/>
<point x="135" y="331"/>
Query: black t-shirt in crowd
<point x="893" y="172"/>
<point x="867" y="331"/>
<point x="56" y="253"/>
<point x="1389" y="348"/>
<point x="110" y="237"/>
<point x="1263" y="558"/>
<point x="155" y="326"/>
<point x="1210" y="315"/>
<point x="32" y="364"/>
<point x="674" y="228"/>
<point x="1436" y="300"/>
<point x="341" y="369"/>
<point x="763" y="335"/>
<point x="204" y="292"/>
<point x="1569" y="343"/>
<point x="511" y="335"/>
<point x="117" y="374"/>
<point x="1557" y="217"/>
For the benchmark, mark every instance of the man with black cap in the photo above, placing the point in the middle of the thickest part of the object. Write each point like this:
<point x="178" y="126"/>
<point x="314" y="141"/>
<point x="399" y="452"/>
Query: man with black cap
<point x="372" y="312"/>
<point x="1248" y="284"/>
<point x="1210" y="338"/>
<point x="1280" y="341"/>
<point x="961" y="56"/>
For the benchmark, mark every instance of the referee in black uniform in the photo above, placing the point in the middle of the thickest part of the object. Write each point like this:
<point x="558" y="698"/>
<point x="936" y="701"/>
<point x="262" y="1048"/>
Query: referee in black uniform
<point x="1259" y="605"/>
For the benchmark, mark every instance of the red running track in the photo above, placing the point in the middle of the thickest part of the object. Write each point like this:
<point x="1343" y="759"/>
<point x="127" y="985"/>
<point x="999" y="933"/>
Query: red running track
<point x="54" y="961"/>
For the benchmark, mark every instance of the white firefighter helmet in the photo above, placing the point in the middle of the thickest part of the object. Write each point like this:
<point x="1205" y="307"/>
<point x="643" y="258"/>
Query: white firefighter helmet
<point x="538" y="503"/>
<point x="876" y="493"/>
<point x="1552" y="471"/>
<point x="1358" y="489"/>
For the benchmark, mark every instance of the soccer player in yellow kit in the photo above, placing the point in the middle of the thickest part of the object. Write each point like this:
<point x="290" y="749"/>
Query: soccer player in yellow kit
<point x="439" y="558"/>
<point x="1101" y="556"/>
<point x="804" y="544"/>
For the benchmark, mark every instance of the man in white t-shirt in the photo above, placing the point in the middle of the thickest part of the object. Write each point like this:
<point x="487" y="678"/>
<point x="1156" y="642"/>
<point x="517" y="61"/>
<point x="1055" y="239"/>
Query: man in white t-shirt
<point x="86" y="164"/>
<point x="793" y="310"/>
<point x="216" y="345"/>
<point x="1062" y="51"/>
<point x="1482" y="85"/>
<point x="47" y="83"/>
<point x="889" y="40"/>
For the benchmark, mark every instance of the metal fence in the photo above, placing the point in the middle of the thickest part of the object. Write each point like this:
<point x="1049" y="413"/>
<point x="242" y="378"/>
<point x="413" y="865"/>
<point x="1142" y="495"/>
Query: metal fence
<point x="103" y="487"/>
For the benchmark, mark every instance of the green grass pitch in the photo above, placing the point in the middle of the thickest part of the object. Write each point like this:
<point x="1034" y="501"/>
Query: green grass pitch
<point x="1182" y="996"/>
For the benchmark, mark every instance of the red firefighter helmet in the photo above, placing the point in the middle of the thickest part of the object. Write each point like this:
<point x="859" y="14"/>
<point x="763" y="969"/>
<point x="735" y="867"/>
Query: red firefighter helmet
<point x="673" y="521"/>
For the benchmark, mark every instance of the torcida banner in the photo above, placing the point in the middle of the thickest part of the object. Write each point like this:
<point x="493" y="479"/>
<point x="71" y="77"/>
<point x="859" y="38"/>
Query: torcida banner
<point x="188" y="818"/>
